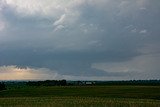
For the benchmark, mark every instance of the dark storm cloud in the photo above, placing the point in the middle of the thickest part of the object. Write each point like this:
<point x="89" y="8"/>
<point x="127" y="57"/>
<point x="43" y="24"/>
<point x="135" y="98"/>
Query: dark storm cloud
<point x="84" y="33"/>
<point x="74" y="63"/>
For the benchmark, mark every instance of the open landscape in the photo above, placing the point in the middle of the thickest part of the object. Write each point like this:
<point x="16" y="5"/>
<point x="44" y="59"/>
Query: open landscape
<point x="80" y="96"/>
<point x="79" y="53"/>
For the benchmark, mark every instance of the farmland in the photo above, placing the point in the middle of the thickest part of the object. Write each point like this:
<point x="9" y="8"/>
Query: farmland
<point x="81" y="96"/>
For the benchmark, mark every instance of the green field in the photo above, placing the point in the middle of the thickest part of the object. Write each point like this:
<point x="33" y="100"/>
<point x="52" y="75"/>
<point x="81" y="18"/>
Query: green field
<point x="82" y="96"/>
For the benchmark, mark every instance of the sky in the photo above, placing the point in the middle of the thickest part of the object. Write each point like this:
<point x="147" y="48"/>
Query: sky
<point x="79" y="39"/>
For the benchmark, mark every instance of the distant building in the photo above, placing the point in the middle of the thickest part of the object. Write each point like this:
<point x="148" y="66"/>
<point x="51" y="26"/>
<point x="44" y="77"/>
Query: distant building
<point x="89" y="83"/>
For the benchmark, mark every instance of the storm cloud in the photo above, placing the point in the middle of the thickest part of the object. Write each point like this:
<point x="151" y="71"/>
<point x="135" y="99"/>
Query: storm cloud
<point x="81" y="39"/>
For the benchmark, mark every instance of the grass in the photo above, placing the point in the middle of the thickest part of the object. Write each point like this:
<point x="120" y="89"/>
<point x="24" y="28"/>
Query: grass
<point x="82" y="96"/>
<point x="75" y="102"/>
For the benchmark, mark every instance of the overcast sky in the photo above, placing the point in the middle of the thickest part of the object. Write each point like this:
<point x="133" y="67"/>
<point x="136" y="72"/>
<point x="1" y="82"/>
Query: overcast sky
<point x="79" y="39"/>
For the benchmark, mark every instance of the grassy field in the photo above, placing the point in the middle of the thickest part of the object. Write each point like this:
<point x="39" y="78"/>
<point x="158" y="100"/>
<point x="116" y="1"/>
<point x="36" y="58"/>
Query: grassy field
<point x="82" y="96"/>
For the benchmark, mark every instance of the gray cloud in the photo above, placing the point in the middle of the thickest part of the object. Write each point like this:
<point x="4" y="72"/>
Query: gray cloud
<point x="70" y="37"/>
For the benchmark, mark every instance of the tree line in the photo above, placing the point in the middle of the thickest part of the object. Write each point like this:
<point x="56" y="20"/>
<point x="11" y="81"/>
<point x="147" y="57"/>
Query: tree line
<point x="2" y="86"/>
<point x="131" y="82"/>
<point x="123" y="82"/>
<point x="47" y="83"/>
<point x="19" y="84"/>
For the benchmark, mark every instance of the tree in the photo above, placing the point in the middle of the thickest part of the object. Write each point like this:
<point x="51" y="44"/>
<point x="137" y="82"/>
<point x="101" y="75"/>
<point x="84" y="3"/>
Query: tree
<point x="2" y="86"/>
<point x="63" y="82"/>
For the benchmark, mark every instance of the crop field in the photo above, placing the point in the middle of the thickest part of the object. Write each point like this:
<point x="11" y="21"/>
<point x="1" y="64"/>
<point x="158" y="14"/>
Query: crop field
<point x="81" y="96"/>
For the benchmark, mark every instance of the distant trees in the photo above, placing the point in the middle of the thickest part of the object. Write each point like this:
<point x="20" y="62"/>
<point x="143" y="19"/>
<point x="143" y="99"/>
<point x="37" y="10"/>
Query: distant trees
<point x="91" y="83"/>
<point x="47" y="83"/>
<point x="130" y="82"/>
<point x="2" y="86"/>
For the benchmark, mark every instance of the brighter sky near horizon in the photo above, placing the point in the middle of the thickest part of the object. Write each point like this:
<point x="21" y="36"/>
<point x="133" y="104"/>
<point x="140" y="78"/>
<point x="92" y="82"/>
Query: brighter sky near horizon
<point x="79" y="39"/>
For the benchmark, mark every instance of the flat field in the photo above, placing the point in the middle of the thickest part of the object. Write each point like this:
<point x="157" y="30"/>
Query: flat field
<point x="82" y="96"/>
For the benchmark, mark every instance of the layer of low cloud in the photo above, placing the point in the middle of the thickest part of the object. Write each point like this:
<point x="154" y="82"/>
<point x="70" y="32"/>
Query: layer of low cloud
<point x="134" y="68"/>
<point x="81" y="38"/>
